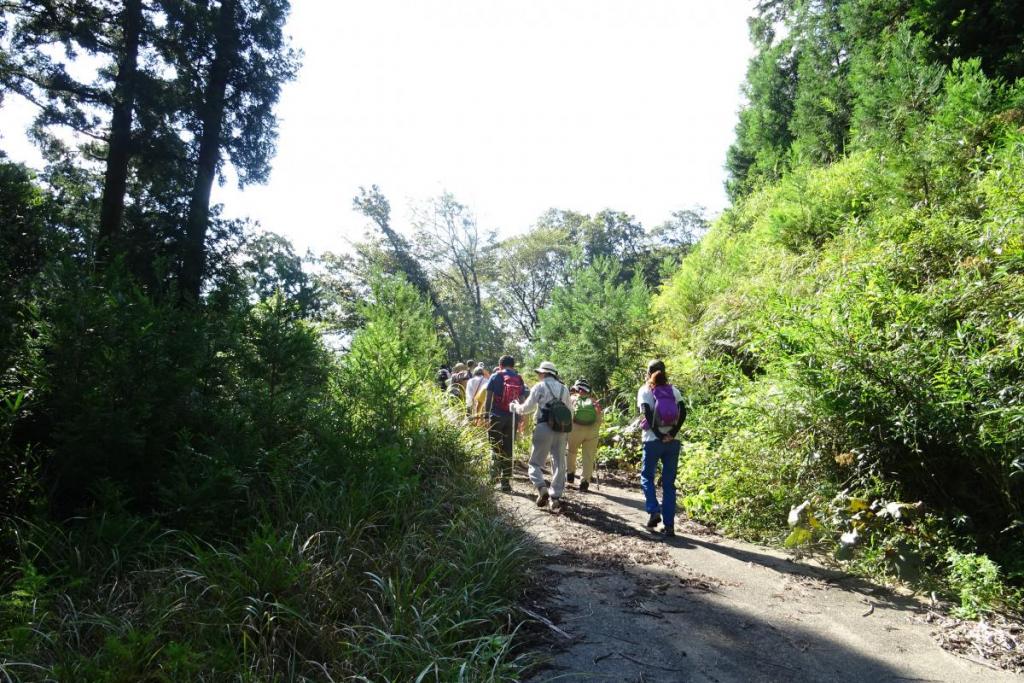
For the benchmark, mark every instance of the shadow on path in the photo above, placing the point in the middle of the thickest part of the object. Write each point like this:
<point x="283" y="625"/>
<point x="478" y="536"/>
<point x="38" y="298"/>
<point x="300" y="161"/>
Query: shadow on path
<point x="641" y="624"/>
<point x="595" y="516"/>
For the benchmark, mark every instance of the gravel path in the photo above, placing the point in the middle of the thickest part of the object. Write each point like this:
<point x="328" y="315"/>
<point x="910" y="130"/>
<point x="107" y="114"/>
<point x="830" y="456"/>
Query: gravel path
<point x="628" y="605"/>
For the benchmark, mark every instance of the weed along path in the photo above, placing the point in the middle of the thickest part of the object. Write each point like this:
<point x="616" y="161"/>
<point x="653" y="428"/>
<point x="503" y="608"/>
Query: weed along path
<point x="622" y="604"/>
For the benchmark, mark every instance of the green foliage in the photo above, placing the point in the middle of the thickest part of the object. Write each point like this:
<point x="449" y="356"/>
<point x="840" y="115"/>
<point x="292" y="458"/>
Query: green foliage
<point x="26" y="247"/>
<point x="170" y="87"/>
<point x="314" y="519"/>
<point x="120" y="368"/>
<point x="349" y="580"/>
<point x="619" y="439"/>
<point x="822" y="101"/>
<point x="272" y="266"/>
<point x="848" y="70"/>
<point x="811" y="205"/>
<point x="976" y="579"/>
<point x="281" y="366"/>
<point x="763" y="137"/>
<point x="596" y="327"/>
<point x="852" y="332"/>
<point x="192" y="485"/>
<point x="205" y="490"/>
<point x="390" y="358"/>
<point x="527" y="269"/>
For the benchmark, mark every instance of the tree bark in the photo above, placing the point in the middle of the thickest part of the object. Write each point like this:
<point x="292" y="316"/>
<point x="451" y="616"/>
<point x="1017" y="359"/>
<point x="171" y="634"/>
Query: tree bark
<point x="208" y="157"/>
<point x="119" y="144"/>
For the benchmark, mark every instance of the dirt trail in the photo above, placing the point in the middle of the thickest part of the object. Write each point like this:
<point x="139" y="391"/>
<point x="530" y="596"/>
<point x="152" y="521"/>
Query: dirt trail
<point x="628" y="605"/>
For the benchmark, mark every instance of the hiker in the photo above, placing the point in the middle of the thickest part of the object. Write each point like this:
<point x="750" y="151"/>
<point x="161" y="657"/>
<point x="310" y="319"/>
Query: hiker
<point x="662" y="412"/>
<point x="550" y="435"/>
<point x="586" y="423"/>
<point x="480" y="402"/>
<point x="503" y="388"/>
<point x="473" y="386"/>
<point x="457" y="382"/>
<point x="443" y="375"/>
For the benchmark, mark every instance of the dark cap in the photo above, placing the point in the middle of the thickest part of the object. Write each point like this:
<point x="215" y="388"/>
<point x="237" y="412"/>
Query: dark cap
<point x="654" y="366"/>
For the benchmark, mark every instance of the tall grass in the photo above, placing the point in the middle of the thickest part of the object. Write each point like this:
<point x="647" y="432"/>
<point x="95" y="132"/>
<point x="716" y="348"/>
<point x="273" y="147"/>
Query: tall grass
<point x="340" y="581"/>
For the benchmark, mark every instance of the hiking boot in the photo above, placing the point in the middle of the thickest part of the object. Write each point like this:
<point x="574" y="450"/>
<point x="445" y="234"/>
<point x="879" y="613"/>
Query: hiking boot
<point x="542" y="498"/>
<point x="669" y="532"/>
<point x="571" y="477"/>
<point x="584" y="486"/>
<point x="556" y="505"/>
<point x="653" y="521"/>
<point x="506" y="487"/>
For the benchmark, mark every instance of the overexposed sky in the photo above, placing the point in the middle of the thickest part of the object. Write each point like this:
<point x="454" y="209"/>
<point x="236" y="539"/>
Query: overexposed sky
<point x="515" y="107"/>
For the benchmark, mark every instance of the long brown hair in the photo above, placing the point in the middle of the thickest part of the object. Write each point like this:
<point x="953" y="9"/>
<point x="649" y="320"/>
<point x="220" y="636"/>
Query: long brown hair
<point x="657" y="378"/>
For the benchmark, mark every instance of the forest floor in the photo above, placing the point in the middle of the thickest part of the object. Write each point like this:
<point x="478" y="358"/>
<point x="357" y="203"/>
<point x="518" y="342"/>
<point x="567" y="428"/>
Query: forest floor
<point x="625" y="604"/>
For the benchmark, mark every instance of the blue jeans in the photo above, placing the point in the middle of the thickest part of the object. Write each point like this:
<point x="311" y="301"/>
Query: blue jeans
<point x="668" y="455"/>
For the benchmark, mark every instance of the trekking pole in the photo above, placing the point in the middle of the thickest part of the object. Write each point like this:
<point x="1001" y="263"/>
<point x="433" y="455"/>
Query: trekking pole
<point x="512" y="471"/>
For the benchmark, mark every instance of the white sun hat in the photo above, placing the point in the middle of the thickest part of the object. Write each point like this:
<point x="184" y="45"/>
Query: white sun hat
<point x="547" y="368"/>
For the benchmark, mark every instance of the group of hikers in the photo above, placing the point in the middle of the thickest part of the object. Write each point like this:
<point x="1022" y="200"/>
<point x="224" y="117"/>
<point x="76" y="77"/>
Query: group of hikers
<point x="567" y="421"/>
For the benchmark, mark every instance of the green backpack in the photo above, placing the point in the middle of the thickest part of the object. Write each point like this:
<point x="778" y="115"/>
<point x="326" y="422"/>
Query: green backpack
<point x="586" y="413"/>
<point x="559" y="416"/>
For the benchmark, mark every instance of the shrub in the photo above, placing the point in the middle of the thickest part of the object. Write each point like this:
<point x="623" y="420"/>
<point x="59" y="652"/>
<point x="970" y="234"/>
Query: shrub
<point x="977" y="581"/>
<point x="298" y="518"/>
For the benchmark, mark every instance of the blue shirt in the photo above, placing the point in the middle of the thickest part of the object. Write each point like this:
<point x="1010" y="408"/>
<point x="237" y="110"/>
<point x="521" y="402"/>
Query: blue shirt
<point x="496" y="385"/>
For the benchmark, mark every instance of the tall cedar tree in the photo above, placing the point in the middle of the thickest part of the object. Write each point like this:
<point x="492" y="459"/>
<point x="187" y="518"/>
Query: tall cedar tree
<point x="102" y="109"/>
<point x="800" y="98"/>
<point x="203" y="76"/>
<point x="236" y="57"/>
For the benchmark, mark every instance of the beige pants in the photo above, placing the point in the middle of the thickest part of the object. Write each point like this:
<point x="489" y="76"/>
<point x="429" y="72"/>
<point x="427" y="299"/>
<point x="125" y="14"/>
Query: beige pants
<point x="585" y="436"/>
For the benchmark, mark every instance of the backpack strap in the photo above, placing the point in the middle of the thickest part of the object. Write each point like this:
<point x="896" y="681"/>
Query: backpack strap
<point x="554" y="396"/>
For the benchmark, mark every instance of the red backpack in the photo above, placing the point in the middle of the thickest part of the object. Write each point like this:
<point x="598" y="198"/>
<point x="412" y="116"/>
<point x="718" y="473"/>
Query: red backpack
<point x="513" y="387"/>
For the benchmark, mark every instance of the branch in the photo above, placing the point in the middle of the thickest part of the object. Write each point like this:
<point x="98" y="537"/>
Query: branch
<point x="83" y="92"/>
<point x="46" y="107"/>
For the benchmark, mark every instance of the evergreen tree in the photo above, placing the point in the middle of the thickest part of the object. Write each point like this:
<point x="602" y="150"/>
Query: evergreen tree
<point x="234" y="58"/>
<point x="178" y="85"/>
<point x="596" y="326"/>
<point x="763" y="136"/>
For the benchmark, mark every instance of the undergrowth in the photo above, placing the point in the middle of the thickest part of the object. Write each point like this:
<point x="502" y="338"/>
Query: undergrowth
<point x="347" y="535"/>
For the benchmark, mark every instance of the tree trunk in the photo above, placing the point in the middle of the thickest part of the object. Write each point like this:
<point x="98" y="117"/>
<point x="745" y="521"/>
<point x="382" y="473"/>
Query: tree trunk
<point x="210" y="143"/>
<point x="119" y="144"/>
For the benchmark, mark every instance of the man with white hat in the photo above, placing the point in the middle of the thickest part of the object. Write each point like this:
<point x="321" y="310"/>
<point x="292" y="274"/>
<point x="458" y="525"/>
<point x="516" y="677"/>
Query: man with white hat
<point x="547" y="393"/>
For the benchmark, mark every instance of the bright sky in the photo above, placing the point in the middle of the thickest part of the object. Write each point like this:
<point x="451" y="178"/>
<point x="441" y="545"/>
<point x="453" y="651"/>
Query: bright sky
<point x="514" y="107"/>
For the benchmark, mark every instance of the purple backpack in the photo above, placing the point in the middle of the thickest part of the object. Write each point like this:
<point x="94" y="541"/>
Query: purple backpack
<point x="666" y="410"/>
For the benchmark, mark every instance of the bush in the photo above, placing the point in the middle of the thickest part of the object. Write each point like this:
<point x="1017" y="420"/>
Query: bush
<point x="976" y="579"/>
<point x="390" y="358"/>
<point x="619" y="439"/>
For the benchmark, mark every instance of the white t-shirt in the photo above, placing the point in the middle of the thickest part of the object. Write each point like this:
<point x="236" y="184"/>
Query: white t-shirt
<point x="472" y="387"/>
<point x="646" y="397"/>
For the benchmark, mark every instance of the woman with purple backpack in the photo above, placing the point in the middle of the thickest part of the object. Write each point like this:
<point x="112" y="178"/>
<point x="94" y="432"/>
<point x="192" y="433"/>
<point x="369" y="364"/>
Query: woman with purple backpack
<point x="662" y="412"/>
